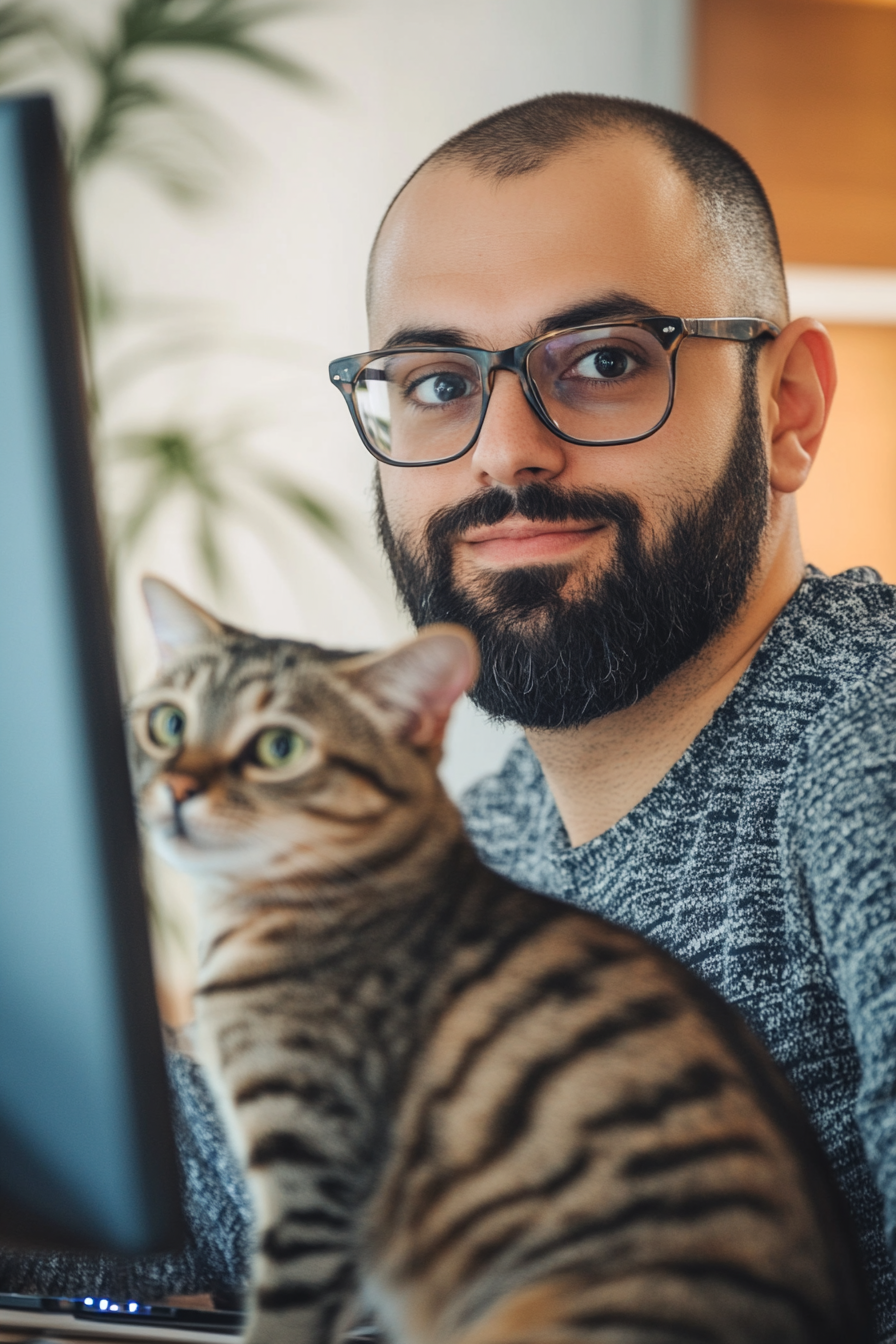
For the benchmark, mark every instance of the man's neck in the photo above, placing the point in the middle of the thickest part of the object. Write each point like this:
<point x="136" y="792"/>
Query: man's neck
<point x="599" y="772"/>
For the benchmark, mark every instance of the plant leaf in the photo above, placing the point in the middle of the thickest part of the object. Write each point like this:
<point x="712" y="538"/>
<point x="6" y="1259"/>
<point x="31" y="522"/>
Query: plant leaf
<point x="208" y="547"/>
<point x="137" y="520"/>
<point x="306" y="505"/>
<point x="22" y="28"/>
<point x="216" y="28"/>
<point x="221" y="27"/>
<point x="18" y="20"/>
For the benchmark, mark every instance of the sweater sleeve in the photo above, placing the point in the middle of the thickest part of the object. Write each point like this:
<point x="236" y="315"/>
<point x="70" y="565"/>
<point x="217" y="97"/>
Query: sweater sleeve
<point x="843" y="828"/>
<point x="215" y="1258"/>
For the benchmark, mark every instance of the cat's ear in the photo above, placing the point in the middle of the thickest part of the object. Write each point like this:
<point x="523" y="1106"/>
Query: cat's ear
<point x="417" y="684"/>
<point x="179" y="624"/>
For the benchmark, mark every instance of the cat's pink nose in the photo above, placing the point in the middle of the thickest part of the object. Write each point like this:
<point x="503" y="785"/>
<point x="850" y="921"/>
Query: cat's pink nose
<point x="182" y="787"/>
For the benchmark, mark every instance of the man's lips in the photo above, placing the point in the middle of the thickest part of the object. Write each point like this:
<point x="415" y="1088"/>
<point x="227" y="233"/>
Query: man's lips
<point x="517" y="539"/>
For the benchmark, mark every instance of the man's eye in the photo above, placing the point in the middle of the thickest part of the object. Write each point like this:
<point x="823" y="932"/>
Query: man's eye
<point x="606" y="363"/>
<point x="439" y="388"/>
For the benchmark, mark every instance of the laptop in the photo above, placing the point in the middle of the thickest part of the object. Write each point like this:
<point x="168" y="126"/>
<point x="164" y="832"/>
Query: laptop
<point x="87" y="1154"/>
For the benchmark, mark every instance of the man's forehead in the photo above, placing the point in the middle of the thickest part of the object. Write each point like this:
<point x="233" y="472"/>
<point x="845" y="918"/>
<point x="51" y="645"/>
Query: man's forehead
<point x="494" y="259"/>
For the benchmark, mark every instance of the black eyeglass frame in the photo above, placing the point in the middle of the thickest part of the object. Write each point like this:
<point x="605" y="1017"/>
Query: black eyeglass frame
<point x="669" y="331"/>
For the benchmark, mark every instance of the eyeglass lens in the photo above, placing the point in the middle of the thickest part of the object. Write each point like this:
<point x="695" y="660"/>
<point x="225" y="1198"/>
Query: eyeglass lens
<point x="600" y="385"/>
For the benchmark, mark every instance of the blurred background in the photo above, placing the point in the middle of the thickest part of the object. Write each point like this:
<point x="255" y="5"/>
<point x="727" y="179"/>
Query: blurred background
<point x="231" y="160"/>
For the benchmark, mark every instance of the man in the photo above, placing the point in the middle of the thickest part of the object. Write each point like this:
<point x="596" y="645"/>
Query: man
<point x="709" y="756"/>
<point x="709" y="752"/>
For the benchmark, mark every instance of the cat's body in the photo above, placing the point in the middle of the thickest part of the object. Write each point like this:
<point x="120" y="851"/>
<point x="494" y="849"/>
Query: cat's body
<point x="484" y="1115"/>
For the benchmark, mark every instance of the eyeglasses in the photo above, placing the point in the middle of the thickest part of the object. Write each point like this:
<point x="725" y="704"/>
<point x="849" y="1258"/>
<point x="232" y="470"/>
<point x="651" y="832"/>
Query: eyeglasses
<point x="421" y="405"/>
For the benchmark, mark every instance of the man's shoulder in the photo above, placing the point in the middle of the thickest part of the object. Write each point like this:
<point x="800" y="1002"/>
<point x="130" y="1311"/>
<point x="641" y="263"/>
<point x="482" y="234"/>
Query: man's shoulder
<point x="835" y="634"/>
<point x="844" y="614"/>
<point x="818" y="691"/>
<point x="502" y="809"/>
<point x="849" y="752"/>
<point x="836" y="637"/>
<point x="849" y="621"/>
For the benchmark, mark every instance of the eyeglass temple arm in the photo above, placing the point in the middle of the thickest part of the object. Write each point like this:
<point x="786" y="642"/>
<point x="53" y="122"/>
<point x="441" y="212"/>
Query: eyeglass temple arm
<point x="730" y="328"/>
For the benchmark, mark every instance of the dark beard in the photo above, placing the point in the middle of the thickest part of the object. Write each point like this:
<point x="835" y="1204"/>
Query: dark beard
<point x="554" y="661"/>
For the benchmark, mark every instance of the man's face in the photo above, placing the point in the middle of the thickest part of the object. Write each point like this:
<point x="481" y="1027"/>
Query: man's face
<point x="465" y="260"/>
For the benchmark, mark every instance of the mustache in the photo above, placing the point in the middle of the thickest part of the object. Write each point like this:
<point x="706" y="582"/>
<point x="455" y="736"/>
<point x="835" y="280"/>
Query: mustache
<point x="536" y="502"/>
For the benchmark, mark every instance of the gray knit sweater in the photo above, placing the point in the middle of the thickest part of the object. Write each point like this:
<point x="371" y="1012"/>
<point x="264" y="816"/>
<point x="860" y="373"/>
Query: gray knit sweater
<point x="765" y="859"/>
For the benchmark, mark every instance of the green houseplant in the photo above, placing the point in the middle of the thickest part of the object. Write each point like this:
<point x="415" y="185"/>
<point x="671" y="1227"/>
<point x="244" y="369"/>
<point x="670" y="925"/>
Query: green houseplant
<point x="133" y="115"/>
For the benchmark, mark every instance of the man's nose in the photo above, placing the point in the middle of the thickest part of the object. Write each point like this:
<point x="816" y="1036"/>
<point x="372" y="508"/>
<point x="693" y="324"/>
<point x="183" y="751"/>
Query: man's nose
<point x="182" y="787"/>
<point x="513" y="445"/>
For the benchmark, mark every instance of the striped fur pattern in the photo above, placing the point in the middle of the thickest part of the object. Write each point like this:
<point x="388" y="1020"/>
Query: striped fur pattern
<point x="473" y="1112"/>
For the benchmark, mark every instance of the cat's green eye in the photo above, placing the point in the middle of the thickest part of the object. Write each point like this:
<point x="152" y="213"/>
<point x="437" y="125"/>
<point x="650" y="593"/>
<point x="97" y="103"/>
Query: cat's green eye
<point x="278" y="747"/>
<point x="166" y="724"/>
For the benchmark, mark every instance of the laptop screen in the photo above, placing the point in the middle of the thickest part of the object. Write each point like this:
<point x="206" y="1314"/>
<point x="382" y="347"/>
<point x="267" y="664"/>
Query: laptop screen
<point x="86" y="1152"/>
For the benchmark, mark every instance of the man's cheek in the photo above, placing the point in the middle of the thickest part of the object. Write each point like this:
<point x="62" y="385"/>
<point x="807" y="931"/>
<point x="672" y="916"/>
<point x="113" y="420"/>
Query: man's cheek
<point x="409" y="498"/>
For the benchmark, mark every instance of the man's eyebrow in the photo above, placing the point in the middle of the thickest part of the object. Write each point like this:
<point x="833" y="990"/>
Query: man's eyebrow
<point x="427" y="336"/>
<point x="609" y="308"/>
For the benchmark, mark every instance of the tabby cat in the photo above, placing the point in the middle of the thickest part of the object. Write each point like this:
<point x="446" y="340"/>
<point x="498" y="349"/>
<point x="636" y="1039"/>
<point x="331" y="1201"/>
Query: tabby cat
<point x="479" y="1114"/>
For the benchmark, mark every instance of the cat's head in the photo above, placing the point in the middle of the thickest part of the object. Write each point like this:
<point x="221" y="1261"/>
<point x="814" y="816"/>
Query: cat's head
<point x="257" y="760"/>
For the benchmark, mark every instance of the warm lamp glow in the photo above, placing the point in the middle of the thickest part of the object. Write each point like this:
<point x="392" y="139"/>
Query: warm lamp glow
<point x="848" y="506"/>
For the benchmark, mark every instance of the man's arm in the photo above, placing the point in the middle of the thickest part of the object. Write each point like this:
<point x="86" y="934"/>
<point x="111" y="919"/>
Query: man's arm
<point x="844" y="805"/>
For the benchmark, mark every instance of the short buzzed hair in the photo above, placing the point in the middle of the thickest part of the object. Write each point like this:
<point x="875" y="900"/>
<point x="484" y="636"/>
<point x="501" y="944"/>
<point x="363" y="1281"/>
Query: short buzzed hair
<point x="737" y="214"/>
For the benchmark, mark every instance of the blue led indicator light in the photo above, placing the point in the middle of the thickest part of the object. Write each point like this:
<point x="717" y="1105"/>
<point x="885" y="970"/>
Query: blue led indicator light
<point x="104" y="1304"/>
<point x="132" y="1306"/>
<point x="114" y="1306"/>
<point x="88" y="1301"/>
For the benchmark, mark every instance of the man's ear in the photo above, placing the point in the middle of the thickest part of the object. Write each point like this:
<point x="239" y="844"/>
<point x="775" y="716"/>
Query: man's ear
<point x="178" y="623"/>
<point x="417" y="684"/>
<point x="803" y="385"/>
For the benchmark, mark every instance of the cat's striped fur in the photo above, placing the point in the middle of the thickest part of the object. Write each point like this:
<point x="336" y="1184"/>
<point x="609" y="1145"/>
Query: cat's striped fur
<point x="482" y="1115"/>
